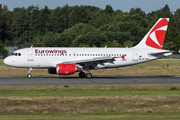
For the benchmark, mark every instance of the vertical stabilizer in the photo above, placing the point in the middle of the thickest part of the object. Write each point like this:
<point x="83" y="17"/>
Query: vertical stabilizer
<point x="154" y="39"/>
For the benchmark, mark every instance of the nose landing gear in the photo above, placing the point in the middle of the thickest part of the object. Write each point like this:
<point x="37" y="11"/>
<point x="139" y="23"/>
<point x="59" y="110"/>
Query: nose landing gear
<point x="29" y="75"/>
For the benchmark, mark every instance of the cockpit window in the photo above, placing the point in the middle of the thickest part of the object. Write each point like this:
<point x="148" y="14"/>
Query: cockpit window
<point x="16" y="54"/>
<point x="12" y="54"/>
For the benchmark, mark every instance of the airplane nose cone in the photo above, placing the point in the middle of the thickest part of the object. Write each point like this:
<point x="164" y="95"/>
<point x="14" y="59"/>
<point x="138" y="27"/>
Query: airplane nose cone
<point x="7" y="61"/>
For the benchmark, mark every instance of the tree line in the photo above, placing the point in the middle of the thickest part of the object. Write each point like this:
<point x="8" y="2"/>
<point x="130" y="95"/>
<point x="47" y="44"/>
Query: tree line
<point x="83" y="26"/>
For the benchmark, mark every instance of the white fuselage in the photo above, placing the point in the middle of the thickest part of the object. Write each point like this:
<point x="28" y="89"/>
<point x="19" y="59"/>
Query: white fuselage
<point x="45" y="57"/>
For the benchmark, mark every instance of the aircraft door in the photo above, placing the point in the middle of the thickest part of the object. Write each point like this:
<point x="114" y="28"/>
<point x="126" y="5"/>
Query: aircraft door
<point x="30" y="55"/>
<point x="135" y="55"/>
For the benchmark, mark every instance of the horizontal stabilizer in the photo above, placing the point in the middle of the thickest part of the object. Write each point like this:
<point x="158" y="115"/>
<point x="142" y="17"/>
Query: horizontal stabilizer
<point x="162" y="52"/>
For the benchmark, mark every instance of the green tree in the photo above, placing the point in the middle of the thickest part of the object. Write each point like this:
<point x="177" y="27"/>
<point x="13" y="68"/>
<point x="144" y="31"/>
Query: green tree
<point x="57" y="21"/>
<point x="172" y="39"/>
<point x="3" y="51"/>
<point x="137" y="11"/>
<point x="44" y="19"/>
<point x="75" y="17"/>
<point x="65" y="16"/>
<point x="109" y="9"/>
<point x="5" y="25"/>
<point x="177" y="16"/>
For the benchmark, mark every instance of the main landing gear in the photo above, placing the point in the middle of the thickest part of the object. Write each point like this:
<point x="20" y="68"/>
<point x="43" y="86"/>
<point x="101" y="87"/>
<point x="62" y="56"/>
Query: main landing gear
<point x="83" y="75"/>
<point x="29" y="75"/>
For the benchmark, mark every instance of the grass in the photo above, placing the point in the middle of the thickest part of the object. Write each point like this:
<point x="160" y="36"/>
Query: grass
<point x="162" y="67"/>
<point x="91" y="102"/>
<point x="128" y="116"/>
<point x="96" y="99"/>
<point x="137" y="102"/>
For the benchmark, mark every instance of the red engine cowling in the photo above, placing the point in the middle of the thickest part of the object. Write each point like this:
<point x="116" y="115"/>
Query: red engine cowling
<point x="52" y="71"/>
<point x="66" y="69"/>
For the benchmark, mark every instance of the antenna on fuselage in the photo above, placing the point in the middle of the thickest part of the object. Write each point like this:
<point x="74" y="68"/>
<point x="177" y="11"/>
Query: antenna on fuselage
<point x="31" y="46"/>
<point x="106" y="46"/>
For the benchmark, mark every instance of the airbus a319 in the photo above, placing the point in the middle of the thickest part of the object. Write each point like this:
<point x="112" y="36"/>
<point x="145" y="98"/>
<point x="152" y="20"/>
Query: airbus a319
<point x="66" y="61"/>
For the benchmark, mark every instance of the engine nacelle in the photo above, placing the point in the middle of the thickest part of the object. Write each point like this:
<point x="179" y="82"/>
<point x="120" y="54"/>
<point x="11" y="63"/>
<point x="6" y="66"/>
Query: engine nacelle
<point x="52" y="71"/>
<point x="66" y="69"/>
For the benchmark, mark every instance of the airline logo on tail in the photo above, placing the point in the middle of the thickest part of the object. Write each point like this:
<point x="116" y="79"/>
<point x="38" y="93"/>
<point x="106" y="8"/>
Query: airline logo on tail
<point x="156" y="36"/>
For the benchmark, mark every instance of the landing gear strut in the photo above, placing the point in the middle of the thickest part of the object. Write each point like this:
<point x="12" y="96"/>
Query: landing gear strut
<point x="29" y="75"/>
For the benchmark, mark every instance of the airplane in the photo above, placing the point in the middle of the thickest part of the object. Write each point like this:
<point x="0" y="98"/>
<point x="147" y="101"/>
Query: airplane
<point x="68" y="60"/>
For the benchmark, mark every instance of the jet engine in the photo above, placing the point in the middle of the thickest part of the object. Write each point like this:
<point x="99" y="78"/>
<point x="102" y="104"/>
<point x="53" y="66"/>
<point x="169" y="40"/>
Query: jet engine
<point x="67" y="69"/>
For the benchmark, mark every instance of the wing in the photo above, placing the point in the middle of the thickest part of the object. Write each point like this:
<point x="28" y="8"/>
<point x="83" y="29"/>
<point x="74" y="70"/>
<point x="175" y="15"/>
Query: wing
<point x="93" y="60"/>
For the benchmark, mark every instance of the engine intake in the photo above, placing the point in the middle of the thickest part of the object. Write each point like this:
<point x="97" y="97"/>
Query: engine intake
<point x="52" y="70"/>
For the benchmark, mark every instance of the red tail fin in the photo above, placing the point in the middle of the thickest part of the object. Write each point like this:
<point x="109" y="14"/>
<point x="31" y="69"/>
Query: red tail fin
<point x="155" y="37"/>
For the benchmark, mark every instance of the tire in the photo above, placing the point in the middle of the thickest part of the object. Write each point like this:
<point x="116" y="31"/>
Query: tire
<point x="82" y="75"/>
<point x="29" y="75"/>
<point x="88" y="75"/>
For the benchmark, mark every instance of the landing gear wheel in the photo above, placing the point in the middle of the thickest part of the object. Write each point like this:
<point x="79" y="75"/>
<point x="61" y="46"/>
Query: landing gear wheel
<point x="88" y="75"/>
<point x="29" y="75"/>
<point x="81" y="74"/>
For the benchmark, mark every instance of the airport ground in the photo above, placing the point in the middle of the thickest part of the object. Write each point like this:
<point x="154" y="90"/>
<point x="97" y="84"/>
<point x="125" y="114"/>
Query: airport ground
<point x="137" y="101"/>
